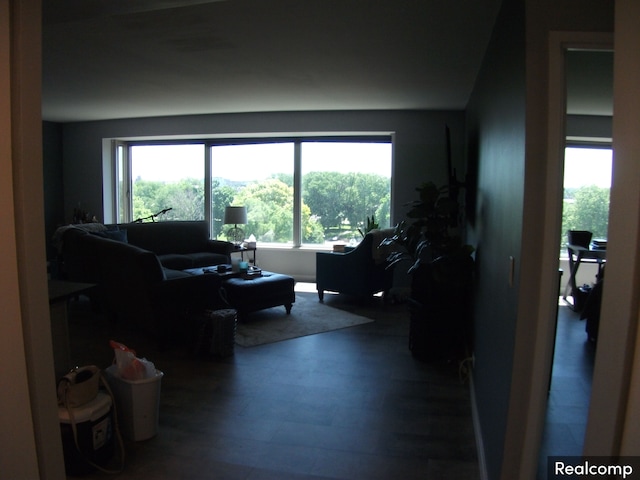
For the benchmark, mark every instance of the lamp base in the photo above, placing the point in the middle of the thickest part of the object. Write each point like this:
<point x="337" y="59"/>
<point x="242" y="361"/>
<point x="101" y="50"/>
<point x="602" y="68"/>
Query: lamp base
<point x="235" y="235"/>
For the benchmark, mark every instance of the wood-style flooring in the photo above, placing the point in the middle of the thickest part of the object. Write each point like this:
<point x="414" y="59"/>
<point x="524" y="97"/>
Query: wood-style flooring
<point x="568" y="404"/>
<point x="347" y="404"/>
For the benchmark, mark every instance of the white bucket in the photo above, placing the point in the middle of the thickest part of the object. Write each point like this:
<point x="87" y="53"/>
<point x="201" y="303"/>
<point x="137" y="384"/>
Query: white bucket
<point x="137" y="404"/>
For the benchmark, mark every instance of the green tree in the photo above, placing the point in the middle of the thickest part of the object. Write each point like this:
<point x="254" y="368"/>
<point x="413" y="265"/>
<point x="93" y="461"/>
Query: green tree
<point x="312" y="231"/>
<point x="340" y="199"/>
<point x="286" y="178"/>
<point x="332" y="203"/>
<point x="269" y="210"/>
<point x="587" y="210"/>
<point x="322" y="192"/>
<point x="185" y="198"/>
<point x="140" y="208"/>
<point x="270" y="213"/>
<point x="369" y="192"/>
<point x="383" y="212"/>
<point x="221" y="196"/>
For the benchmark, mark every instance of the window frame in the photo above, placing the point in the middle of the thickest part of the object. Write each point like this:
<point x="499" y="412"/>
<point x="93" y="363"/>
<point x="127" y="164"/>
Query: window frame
<point x="122" y="202"/>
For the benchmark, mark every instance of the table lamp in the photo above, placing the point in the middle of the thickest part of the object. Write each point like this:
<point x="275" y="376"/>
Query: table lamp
<point x="235" y="216"/>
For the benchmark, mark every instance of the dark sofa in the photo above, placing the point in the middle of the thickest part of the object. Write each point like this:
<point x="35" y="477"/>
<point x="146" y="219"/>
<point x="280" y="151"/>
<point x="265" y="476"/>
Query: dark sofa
<point x="138" y="270"/>
<point x="178" y="244"/>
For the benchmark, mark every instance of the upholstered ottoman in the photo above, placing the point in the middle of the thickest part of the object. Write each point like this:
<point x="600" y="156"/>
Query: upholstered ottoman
<point x="258" y="293"/>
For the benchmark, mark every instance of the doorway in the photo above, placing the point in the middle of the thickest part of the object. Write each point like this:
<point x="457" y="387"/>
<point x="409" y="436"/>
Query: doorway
<point x="585" y="74"/>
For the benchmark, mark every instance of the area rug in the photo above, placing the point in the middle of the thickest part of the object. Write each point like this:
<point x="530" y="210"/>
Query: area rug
<point x="308" y="317"/>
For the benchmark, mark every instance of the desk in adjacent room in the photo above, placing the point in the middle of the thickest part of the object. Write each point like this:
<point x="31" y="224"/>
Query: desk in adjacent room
<point x="578" y="254"/>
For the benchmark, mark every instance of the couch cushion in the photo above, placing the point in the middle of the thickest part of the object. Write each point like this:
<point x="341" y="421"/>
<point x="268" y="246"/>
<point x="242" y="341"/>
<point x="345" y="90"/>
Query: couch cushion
<point x="128" y="263"/>
<point x="171" y="274"/>
<point x="175" y="261"/>
<point x="179" y="261"/>
<point x="169" y="237"/>
<point x="205" y="259"/>
<point x="81" y="255"/>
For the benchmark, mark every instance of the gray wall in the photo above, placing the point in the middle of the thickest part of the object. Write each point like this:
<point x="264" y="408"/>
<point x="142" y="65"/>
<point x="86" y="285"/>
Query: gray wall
<point x="598" y="126"/>
<point x="507" y="120"/>
<point x="52" y="174"/>
<point x="496" y="139"/>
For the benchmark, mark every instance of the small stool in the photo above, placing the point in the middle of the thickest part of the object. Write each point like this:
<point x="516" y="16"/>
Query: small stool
<point x="257" y="293"/>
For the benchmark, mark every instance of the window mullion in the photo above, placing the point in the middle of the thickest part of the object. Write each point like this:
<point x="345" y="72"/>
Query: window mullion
<point x="129" y="183"/>
<point x="297" y="194"/>
<point x="123" y="207"/>
<point x="208" y="207"/>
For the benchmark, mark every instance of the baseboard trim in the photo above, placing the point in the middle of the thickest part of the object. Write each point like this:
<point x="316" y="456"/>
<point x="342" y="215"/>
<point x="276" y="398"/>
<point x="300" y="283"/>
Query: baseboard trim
<point x="477" y="430"/>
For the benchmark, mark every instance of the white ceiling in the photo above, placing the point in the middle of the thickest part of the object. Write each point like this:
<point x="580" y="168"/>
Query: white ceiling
<point x="106" y="59"/>
<point x="123" y="58"/>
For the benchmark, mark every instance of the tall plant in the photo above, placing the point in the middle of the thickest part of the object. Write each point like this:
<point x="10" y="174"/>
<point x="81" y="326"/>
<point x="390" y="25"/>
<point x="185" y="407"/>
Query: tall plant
<point x="433" y="235"/>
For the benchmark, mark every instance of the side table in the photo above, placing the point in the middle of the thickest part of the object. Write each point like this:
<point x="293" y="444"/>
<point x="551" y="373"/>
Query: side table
<point x="240" y="249"/>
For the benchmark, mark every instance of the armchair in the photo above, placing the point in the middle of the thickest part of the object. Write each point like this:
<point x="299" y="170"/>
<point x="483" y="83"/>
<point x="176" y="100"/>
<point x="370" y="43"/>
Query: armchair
<point x="360" y="272"/>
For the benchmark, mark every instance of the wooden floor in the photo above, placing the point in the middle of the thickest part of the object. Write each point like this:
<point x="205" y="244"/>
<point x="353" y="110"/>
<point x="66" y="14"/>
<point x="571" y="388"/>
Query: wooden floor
<point x="570" y="392"/>
<point x="348" y="404"/>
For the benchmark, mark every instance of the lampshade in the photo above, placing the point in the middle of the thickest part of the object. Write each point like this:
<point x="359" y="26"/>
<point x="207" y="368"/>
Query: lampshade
<point x="235" y="215"/>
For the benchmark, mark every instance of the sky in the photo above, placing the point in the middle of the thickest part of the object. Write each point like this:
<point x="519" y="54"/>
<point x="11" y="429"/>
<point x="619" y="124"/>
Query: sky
<point x="255" y="162"/>
<point x="583" y="166"/>
<point x="587" y="166"/>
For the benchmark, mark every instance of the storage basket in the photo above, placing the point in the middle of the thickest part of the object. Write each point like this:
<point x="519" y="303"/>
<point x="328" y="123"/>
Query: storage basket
<point x="216" y="332"/>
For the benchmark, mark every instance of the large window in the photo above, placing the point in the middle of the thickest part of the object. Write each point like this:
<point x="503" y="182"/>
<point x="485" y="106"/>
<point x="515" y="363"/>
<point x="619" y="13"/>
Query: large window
<point x="301" y="191"/>
<point x="342" y="185"/>
<point x="168" y="176"/>
<point x="587" y="182"/>
<point x="260" y="177"/>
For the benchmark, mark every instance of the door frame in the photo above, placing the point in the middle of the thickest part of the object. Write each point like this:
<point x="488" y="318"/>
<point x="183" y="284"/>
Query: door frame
<point x="559" y="43"/>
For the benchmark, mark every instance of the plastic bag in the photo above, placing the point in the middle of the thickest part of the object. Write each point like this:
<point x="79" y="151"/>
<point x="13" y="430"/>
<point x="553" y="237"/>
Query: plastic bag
<point x="130" y="367"/>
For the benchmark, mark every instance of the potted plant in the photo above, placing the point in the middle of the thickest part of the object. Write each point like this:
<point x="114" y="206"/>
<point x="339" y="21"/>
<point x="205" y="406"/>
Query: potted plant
<point x="441" y="268"/>
<point x="371" y="225"/>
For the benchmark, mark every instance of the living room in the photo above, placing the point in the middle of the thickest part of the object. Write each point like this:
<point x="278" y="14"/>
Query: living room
<point x="491" y="127"/>
<point x="415" y="133"/>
